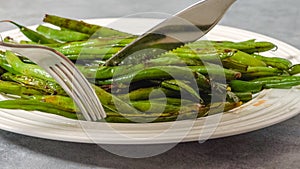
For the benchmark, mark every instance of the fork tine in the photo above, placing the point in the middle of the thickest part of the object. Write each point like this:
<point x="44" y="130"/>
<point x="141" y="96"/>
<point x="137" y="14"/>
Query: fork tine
<point x="68" y="76"/>
<point x="79" y="89"/>
<point x="61" y="79"/>
<point x="88" y="91"/>
<point x="88" y="94"/>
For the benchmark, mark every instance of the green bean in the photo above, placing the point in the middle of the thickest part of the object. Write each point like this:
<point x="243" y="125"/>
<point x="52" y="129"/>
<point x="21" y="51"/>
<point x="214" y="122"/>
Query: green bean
<point x="245" y="86"/>
<point x="52" y="45"/>
<point x="216" y="71"/>
<point x="295" y="69"/>
<point x="143" y="106"/>
<point x="61" y="35"/>
<point x="64" y="103"/>
<point x="107" y="72"/>
<point x="243" y="58"/>
<point x="27" y="69"/>
<point x="158" y="72"/>
<point x="83" y="27"/>
<point x="206" y="54"/>
<point x="177" y="85"/>
<point x="134" y="119"/>
<point x="32" y="35"/>
<point x="35" y="83"/>
<point x="144" y="93"/>
<point x="276" y="62"/>
<point x="9" y="39"/>
<point x="231" y="58"/>
<point x="99" y="42"/>
<point x="174" y="101"/>
<point x="244" y="96"/>
<point x="71" y="24"/>
<point x="141" y="94"/>
<point x="154" y="119"/>
<point x="108" y="101"/>
<point x="215" y="108"/>
<point x="230" y="64"/>
<point x="255" y="72"/>
<point x="249" y="46"/>
<point x="252" y="69"/>
<point x="202" y="81"/>
<point x="169" y="60"/>
<point x="100" y="51"/>
<point x="188" y="114"/>
<point x="151" y="107"/>
<point x="278" y="81"/>
<point x="31" y="105"/>
<point x="4" y="64"/>
<point x="199" y="53"/>
<point x="282" y="85"/>
<point x="147" y="89"/>
<point x="17" y="89"/>
<point x="164" y="72"/>
<point x="116" y="104"/>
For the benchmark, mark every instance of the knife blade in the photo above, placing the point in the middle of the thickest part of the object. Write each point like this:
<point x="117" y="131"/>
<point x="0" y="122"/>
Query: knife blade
<point x="186" y="26"/>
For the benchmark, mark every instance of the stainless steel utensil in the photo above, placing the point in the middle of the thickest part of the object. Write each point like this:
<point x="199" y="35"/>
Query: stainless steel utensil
<point x="66" y="74"/>
<point x="186" y="26"/>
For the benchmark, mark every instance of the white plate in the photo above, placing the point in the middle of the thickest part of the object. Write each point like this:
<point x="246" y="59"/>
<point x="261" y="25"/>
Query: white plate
<point x="268" y="108"/>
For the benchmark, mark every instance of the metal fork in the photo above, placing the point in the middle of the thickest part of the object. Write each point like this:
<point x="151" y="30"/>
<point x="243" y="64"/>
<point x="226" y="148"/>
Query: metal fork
<point x="66" y="74"/>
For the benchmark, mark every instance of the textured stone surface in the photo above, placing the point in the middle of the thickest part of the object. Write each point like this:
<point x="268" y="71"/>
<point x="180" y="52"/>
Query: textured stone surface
<point x="277" y="146"/>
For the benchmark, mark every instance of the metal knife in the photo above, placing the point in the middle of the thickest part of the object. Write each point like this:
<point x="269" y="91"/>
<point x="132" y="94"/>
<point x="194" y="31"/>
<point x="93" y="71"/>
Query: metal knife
<point x="186" y="26"/>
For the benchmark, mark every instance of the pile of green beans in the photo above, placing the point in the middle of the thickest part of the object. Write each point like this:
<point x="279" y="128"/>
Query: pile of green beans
<point x="195" y="80"/>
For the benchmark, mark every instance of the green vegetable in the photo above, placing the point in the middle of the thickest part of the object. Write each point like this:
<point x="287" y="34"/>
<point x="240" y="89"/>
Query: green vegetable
<point x="216" y="72"/>
<point x="243" y="58"/>
<point x="295" y="69"/>
<point x="61" y="35"/>
<point x="26" y="69"/>
<point x="249" y="46"/>
<point x="41" y="85"/>
<point x="17" y="89"/>
<point x="256" y="72"/>
<point x="82" y="27"/>
<point x="31" y="105"/>
<point x="245" y="86"/>
<point x="244" y="96"/>
<point x="279" y="81"/>
<point x="158" y="72"/>
<point x="32" y="35"/>
<point x="195" y="80"/>
<point x="178" y="85"/>
<point x="275" y="62"/>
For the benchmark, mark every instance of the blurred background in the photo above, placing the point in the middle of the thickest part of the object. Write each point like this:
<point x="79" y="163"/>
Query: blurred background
<point x="276" y="18"/>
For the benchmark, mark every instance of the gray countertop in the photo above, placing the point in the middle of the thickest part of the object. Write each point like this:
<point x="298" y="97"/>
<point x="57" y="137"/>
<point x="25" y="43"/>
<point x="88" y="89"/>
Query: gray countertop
<point x="277" y="146"/>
